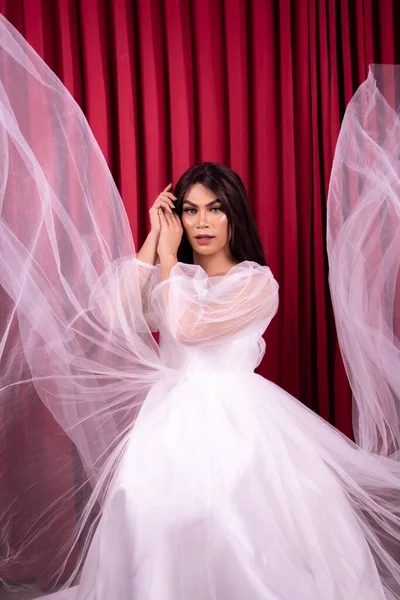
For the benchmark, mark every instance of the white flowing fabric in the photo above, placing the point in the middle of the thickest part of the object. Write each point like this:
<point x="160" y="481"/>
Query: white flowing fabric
<point x="363" y="237"/>
<point x="211" y="482"/>
<point x="65" y="245"/>
<point x="230" y="488"/>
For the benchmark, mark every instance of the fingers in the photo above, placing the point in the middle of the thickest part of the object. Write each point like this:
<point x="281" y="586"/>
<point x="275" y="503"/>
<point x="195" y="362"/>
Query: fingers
<point x="177" y="219"/>
<point x="165" y="200"/>
<point x="162" y="203"/>
<point x="167" y="194"/>
<point x="169" y="220"/>
<point x="168" y="217"/>
<point x="163" y="218"/>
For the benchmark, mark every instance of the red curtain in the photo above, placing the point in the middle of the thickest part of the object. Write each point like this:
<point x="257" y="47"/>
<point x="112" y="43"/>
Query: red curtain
<point x="260" y="85"/>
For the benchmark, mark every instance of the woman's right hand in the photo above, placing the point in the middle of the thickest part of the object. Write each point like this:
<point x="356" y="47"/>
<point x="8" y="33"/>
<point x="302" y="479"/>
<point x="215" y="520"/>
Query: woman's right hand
<point x="163" y="202"/>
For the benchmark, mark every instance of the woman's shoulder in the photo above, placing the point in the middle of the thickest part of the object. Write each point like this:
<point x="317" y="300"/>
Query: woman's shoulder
<point x="249" y="266"/>
<point x="244" y="268"/>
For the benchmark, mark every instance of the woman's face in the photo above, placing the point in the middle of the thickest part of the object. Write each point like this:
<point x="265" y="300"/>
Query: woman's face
<point x="204" y="221"/>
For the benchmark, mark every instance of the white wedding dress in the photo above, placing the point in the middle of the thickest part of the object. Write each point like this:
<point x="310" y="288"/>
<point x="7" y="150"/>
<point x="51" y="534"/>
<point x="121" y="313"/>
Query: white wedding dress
<point x="228" y="487"/>
<point x="211" y="482"/>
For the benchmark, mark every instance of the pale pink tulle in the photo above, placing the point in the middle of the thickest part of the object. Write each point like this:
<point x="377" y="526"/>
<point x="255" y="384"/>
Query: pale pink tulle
<point x="65" y="241"/>
<point x="63" y="233"/>
<point x="363" y="238"/>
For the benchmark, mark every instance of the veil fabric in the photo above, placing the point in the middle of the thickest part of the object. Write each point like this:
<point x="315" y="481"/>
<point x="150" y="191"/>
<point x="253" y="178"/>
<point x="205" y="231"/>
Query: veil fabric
<point x="65" y="242"/>
<point x="78" y="308"/>
<point x="363" y="241"/>
<point x="65" y="246"/>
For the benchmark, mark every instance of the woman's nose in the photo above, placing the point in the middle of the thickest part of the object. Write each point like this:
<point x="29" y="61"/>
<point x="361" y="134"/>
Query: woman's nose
<point x="202" y="218"/>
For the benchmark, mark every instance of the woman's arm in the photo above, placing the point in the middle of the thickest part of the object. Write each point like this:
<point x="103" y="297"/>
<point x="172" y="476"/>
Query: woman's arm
<point x="147" y="256"/>
<point x="148" y="252"/>
<point x="164" y="202"/>
<point x="170" y="237"/>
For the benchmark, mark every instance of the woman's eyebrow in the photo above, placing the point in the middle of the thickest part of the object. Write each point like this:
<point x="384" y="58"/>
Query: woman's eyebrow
<point x="196" y="206"/>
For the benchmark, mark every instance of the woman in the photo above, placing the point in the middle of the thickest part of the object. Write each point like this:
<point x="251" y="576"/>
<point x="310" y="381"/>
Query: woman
<point x="226" y="486"/>
<point x="211" y="315"/>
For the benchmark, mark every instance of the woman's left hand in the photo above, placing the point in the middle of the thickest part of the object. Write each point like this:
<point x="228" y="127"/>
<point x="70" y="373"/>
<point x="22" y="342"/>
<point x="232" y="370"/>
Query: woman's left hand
<point x="170" y="234"/>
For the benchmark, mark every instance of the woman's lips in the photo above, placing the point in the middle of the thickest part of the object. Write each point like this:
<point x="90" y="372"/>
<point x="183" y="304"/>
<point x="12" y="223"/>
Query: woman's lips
<point x="204" y="240"/>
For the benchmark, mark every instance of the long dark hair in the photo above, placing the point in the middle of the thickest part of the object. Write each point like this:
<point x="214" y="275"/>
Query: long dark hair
<point x="245" y="243"/>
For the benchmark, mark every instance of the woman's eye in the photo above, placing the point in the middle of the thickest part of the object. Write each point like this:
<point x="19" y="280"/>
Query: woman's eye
<point x="191" y="211"/>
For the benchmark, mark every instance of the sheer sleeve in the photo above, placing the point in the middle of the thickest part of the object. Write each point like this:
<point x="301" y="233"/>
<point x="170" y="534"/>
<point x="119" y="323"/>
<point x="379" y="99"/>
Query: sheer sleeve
<point x="204" y="310"/>
<point x="149" y="276"/>
<point x="121" y="298"/>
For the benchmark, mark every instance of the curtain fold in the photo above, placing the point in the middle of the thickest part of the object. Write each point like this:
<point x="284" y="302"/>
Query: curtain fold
<point x="260" y="85"/>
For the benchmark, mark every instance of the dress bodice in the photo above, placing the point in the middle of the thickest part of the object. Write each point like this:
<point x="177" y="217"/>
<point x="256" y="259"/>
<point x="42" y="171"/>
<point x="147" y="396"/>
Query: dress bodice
<point x="212" y="324"/>
<point x="243" y="353"/>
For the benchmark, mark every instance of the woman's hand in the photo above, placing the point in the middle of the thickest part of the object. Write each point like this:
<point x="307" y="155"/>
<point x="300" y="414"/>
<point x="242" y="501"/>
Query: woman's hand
<point x="164" y="202"/>
<point x="170" y="234"/>
<point x="148" y="252"/>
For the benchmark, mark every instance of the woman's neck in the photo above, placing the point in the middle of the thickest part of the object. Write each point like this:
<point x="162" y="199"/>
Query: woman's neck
<point x="216" y="264"/>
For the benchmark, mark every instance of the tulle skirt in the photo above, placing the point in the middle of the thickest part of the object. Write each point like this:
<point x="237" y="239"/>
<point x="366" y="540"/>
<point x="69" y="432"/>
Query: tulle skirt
<point x="231" y="489"/>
